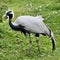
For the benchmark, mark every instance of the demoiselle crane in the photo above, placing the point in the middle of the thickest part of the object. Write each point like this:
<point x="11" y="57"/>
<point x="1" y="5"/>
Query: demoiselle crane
<point x="30" y="24"/>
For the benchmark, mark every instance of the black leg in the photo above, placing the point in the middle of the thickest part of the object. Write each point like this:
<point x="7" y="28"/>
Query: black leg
<point x="37" y="44"/>
<point x="30" y="40"/>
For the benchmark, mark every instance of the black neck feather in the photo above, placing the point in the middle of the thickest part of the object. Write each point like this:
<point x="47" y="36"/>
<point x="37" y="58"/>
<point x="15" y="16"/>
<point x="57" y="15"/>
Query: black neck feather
<point x="13" y="26"/>
<point x="19" y="27"/>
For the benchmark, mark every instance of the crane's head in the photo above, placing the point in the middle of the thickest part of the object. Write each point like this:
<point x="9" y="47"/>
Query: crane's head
<point x="8" y="14"/>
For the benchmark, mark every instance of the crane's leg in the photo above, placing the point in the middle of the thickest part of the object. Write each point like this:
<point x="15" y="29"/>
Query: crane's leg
<point x="30" y="45"/>
<point x="30" y="42"/>
<point x="37" y="41"/>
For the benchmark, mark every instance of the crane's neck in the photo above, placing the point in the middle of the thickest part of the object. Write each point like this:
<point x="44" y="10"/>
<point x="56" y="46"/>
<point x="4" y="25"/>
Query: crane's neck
<point x="12" y="25"/>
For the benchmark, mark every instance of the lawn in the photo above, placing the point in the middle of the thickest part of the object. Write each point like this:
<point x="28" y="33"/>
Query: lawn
<point x="14" y="45"/>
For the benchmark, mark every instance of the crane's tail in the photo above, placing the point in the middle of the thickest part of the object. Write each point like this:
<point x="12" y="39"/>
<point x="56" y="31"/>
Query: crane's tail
<point x="53" y="40"/>
<point x="51" y="35"/>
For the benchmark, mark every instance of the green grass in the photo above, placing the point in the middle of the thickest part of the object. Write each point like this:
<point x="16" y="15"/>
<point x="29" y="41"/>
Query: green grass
<point x="14" y="45"/>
